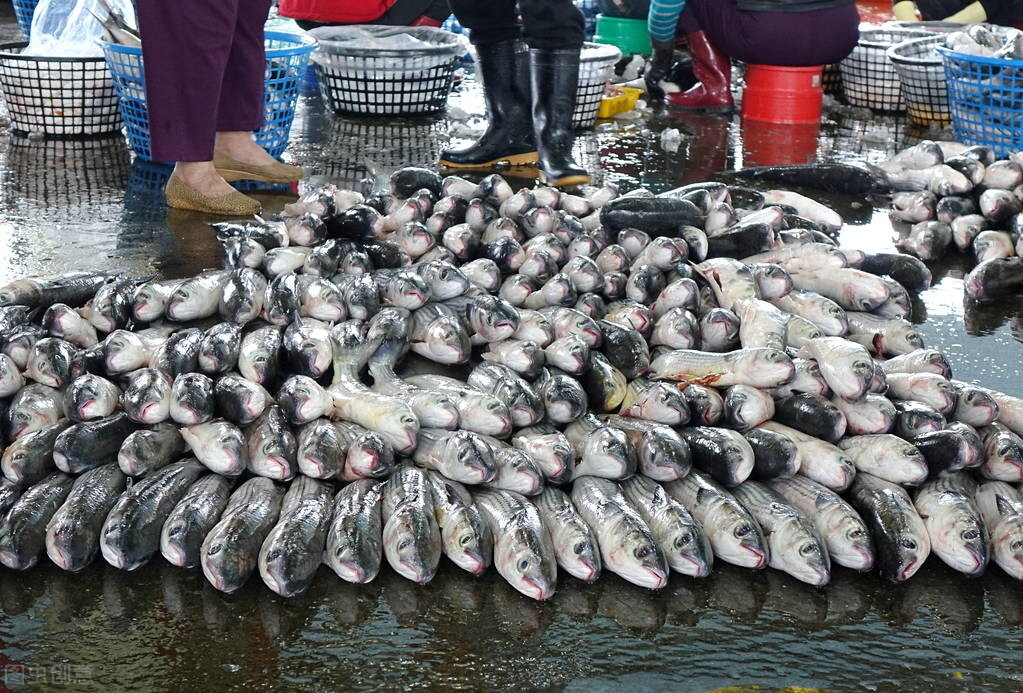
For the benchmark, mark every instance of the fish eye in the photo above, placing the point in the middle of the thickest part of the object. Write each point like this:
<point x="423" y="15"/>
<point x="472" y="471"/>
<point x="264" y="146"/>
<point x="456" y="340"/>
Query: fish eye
<point x="215" y="549"/>
<point x="683" y="540"/>
<point x="274" y="555"/>
<point x="808" y="549"/>
<point x="523" y="564"/>
<point x="1017" y="545"/>
<point x="579" y="548"/>
<point x="743" y="530"/>
<point x="404" y="544"/>
<point x="466" y="540"/>
<point x="642" y="552"/>
<point x="971" y="534"/>
<point x="908" y="544"/>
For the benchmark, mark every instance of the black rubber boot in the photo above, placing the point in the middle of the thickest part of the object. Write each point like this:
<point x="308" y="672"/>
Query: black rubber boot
<point x="509" y="137"/>
<point x="554" y="75"/>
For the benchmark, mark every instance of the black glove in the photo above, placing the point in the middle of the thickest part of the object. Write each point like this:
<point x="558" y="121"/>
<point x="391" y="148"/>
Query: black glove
<point x="659" y="67"/>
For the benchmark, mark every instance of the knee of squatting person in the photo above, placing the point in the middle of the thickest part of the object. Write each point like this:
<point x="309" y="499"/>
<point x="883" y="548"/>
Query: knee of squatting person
<point x="205" y="65"/>
<point x="316" y="13"/>
<point x="529" y="89"/>
<point x="790" y="33"/>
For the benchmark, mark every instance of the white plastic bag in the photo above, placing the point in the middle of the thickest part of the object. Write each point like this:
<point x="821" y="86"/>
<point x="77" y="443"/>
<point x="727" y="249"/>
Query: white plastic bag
<point x="70" y="28"/>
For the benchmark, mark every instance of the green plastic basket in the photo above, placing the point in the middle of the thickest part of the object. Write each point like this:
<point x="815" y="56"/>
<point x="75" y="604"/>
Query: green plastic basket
<point x="629" y="35"/>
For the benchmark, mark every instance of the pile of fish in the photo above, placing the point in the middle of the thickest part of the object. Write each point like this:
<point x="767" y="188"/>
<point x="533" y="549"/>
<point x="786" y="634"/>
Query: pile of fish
<point x="634" y="383"/>
<point x="967" y="198"/>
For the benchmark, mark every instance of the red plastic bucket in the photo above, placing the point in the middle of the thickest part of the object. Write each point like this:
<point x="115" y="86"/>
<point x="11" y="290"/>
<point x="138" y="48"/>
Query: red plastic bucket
<point x="786" y="95"/>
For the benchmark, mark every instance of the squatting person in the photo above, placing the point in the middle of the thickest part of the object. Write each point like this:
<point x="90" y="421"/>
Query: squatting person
<point x="789" y="33"/>
<point x="314" y="13"/>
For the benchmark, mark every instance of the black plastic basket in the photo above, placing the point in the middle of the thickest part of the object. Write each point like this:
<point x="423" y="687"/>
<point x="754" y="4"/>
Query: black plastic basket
<point x="831" y="80"/>
<point x="380" y="81"/>
<point x="868" y="77"/>
<point x="922" y="73"/>
<point x="57" y="97"/>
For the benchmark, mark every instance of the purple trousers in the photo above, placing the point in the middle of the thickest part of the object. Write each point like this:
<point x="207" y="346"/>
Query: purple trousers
<point x="205" y="68"/>
<point x="787" y="39"/>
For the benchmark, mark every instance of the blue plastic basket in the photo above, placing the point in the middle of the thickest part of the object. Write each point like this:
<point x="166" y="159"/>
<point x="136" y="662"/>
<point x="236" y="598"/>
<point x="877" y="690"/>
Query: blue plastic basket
<point x="23" y="12"/>
<point x="287" y="56"/>
<point x="590" y="10"/>
<point x="985" y="96"/>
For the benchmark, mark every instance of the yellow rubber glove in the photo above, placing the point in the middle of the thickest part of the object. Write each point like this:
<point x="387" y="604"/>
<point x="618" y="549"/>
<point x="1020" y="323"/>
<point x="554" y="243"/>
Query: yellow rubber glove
<point x="905" y="11"/>
<point x="971" y="14"/>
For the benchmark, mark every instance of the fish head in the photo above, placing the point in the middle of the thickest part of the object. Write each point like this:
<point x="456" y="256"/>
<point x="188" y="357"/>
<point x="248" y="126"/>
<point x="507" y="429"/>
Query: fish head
<point x="356" y="558"/>
<point x="446" y="280"/>
<point x="564" y="399"/>
<point x="664" y="404"/>
<point x="584" y="558"/>
<point x="637" y="558"/>
<point x="446" y="341"/>
<point x="410" y="542"/>
<point x="473" y="455"/>
<point x="125" y="352"/>
<point x="608" y="449"/>
<point x="286" y="572"/>
<point x="466" y="546"/>
<point x="569" y="353"/>
<point x="522" y="564"/>
<point x="980" y="402"/>
<point x="740" y="542"/>
<point x="962" y="541"/>
<point x="399" y="428"/>
<point x="225" y="563"/>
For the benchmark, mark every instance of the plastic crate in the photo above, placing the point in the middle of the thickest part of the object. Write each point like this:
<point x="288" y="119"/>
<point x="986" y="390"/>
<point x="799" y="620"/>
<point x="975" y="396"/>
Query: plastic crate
<point x="922" y="73"/>
<point x="596" y="65"/>
<point x="611" y="106"/>
<point x="57" y="97"/>
<point x="24" y="10"/>
<point x="868" y="77"/>
<point x="287" y="56"/>
<point x="985" y="96"/>
<point x="376" y="81"/>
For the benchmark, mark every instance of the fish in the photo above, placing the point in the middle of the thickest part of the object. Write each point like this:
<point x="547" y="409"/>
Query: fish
<point x="655" y="401"/>
<point x="625" y="349"/>
<point x="478" y="411"/>
<point x="23" y="527"/>
<point x="1003" y="453"/>
<point x="369" y="455"/>
<point x="524" y="405"/>
<point x="192" y="518"/>
<point x="259" y="354"/>
<point x="678" y="535"/>
<point x="219" y="445"/>
<point x="928" y="388"/>
<point x="388" y="416"/>
<point x="197" y="297"/>
<point x="795" y="545"/>
<point x="706" y="405"/>
<point x="34" y="407"/>
<point x="774" y="454"/>
<point x="847" y="367"/>
<point x="322" y="450"/>
<point x="242" y="297"/>
<point x="808" y="379"/>
<point x="29" y="459"/>
<point x="759" y="367"/>
<point x="887" y="457"/>
<point x="72" y="534"/>
<point x="293" y="549"/>
<point x="662" y="455"/>
<point x="845" y="535"/>
<point x="91" y="443"/>
<point x="72" y="288"/>
<point x="11" y="379"/>
<point x="465" y="536"/>
<point x="271" y="446"/>
<point x="354" y="546"/>
<point x="974" y="406"/>
<point x="90" y="397"/>
<point x="65" y="323"/>
<point x="627" y="545"/>
<point x="242" y="401"/>
<point x="306" y="347"/>
<point x="870" y="415"/>
<point x="601" y="450"/>
<point x="811" y="414"/>
<point x="131" y="532"/>
<point x="820" y="461"/>
<point x="900" y="538"/>
<point x="734" y="535"/>
<point x="920" y="361"/>
<point x="230" y="552"/>
<point x="747" y="407"/>
<point x="411" y="538"/>
<point x="927" y="240"/>
<point x="1001" y="509"/>
<point x="954" y="525"/>
<point x="146" y="396"/>
<point x="462" y="456"/>
<point x="549" y="449"/>
<point x="54" y="362"/>
<point x="723" y="454"/>
<point x="515" y="469"/>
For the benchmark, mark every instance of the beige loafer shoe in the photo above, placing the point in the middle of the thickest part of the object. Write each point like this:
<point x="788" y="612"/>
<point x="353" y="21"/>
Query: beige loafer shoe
<point x="277" y="172"/>
<point x="233" y="204"/>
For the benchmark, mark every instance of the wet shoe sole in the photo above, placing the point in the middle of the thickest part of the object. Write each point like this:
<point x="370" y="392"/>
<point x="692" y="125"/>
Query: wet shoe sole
<point x="231" y="176"/>
<point x="527" y="159"/>
<point x="566" y="182"/>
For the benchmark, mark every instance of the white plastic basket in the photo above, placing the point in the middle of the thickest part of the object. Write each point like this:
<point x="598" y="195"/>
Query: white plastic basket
<point x="868" y="76"/>
<point x="596" y="65"/>
<point x="358" y="77"/>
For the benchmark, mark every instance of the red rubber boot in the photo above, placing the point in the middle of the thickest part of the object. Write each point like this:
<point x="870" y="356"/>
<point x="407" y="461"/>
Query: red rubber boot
<point x="713" y="69"/>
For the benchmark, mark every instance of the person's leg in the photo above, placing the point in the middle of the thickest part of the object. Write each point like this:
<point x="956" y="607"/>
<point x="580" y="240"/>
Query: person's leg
<point x="186" y="46"/>
<point x="793" y="39"/>
<point x="488" y="22"/>
<point x="701" y="22"/>
<point x="553" y="29"/>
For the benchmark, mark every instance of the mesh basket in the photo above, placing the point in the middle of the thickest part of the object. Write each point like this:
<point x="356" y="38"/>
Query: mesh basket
<point x="831" y="80"/>
<point x="919" y="66"/>
<point x="596" y="66"/>
<point x="868" y="78"/>
<point x="985" y="96"/>
<point x="590" y="10"/>
<point x="57" y="97"/>
<point x="23" y="12"/>
<point x="286" y="58"/>
<point x="362" y="79"/>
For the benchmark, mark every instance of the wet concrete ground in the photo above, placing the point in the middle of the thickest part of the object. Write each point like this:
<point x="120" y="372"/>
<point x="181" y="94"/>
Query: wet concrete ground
<point x="77" y="205"/>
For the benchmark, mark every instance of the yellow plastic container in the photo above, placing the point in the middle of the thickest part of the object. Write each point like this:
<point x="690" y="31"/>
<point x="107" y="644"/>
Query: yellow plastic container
<point x="611" y="106"/>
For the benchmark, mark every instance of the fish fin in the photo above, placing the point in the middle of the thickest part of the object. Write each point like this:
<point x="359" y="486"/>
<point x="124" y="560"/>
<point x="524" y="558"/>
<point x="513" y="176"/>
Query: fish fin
<point x="1005" y="506"/>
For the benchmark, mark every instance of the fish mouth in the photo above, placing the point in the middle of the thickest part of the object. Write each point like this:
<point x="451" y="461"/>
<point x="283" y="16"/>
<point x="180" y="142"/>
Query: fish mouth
<point x="866" y="557"/>
<point x="59" y="556"/>
<point x="526" y="414"/>
<point x="658" y="581"/>
<point x="415" y="573"/>
<point x="594" y="336"/>
<point x="410" y="443"/>
<point x="978" y="563"/>
<point x="272" y="581"/>
<point x="537" y="591"/>
<point x="9" y="558"/>
<point x="280" y="463"/>
<point x="144" y="412"/>
<point x="474" y="563"/>
<point x="759" y="556"/>
<point x="174" y="554"/>
<point x="591" y="572"/>
<point x="906" y="571"/>
<point x="352" y="572"/>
